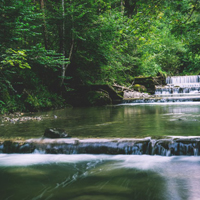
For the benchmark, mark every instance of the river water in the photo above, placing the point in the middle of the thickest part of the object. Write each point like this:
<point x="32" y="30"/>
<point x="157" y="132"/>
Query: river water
<point x="120" y="121"/>
<point x="94" y="177"/>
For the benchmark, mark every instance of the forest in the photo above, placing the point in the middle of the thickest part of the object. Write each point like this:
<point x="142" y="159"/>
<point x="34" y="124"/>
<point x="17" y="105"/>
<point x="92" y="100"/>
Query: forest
<point x="47" y="47"/>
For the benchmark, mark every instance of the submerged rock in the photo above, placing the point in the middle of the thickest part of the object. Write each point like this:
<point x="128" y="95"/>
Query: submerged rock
<point x="55" y="133"/>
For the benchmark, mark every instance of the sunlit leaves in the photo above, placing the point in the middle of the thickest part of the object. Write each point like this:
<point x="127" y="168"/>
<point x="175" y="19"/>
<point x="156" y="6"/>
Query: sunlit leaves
<point x="15" y="58"/>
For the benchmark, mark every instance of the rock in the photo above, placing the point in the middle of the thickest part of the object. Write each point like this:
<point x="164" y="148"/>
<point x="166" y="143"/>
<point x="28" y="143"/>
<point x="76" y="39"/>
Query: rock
<point x="139" y="88"/>
<point x="93" y="95"/>
<point x="55" y="133"/>
<point x="99" y="98"/>
<point x="147" y="82"/>
<point x="135" y="94"/>
<point x="160" y="79"/>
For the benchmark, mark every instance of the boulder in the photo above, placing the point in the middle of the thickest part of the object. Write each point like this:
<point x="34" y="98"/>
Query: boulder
<point x="93" y="95"/>
<point x="99" y="98"/>
<point x="147" y="82"/>
<point x="139" y="88"/>
<point x="55" y="133"/>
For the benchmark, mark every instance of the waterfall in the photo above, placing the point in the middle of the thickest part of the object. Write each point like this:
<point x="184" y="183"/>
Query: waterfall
<point x="180" y="85"/>
<point x="184" y="81"/>
<point x="166" y="147"/>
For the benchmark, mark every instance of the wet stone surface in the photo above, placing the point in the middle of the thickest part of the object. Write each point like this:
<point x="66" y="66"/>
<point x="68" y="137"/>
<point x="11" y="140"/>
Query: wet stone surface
<point x="164" y="147"/>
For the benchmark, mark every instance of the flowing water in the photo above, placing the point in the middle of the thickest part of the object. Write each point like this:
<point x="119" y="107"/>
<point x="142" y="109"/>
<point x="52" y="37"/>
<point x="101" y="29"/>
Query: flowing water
<point x="180" y="86"/>
<point x="97" y="177"/>
<point x="93" y="177"/>
<point x="186" y="81"/>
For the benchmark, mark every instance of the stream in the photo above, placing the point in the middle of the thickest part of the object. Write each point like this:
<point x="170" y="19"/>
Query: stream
<point x="120" y="121"/>
<point x="99" y="176"/>
<point x="96" y="177"/>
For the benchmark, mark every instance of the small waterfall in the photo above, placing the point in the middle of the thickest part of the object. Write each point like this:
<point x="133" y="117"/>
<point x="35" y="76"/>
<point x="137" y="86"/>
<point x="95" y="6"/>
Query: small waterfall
<point x="188" y="81"/>
<point x="180" y="86"/>
<point x="189" y="146"/>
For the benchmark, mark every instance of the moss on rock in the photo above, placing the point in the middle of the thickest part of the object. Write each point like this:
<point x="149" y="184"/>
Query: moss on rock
<point x="139" y="88"/>
<point x="99" y="98"/>
<point x="147" y="82"/>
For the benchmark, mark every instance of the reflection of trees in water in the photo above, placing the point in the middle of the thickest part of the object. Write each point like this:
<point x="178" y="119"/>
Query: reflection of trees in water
<point x="113" y="121"/>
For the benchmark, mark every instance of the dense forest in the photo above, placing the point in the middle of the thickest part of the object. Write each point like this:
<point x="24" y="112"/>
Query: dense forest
<point x="49" y="46"/>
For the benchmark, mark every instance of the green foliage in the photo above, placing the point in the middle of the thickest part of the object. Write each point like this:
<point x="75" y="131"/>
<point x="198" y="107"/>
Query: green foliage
<point x="48" y="58"/>
<point x="42" y="99"/>
<point x="46" y="44"/>
<point x="162" y="52"/>
<point x="15" y="58"/>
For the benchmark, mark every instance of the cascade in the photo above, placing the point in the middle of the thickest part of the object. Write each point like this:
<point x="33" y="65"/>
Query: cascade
<point x="178" y="89"/>
<point x="184" y="81"/>
<point x="166" y="147"/>
<point x="180" y="86"/>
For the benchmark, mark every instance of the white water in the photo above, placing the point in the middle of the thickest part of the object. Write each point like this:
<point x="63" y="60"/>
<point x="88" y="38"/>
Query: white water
<point x="179" y="176"/>
<point x="183" y="80"/>
<point x="41" y="159"/>
<point x="180" y="85"/>
<point x="142" y="162"/>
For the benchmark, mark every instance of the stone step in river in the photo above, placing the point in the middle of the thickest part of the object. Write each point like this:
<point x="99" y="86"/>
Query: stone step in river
<point x="189" y="146"/>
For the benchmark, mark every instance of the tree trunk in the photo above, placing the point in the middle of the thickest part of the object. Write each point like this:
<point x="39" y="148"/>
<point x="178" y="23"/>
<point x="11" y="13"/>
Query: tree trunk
<point x="63" y="42"/>
<point x="45" y="35"/>
<point x="64" y="67"/>
<point x="130" y="7"/>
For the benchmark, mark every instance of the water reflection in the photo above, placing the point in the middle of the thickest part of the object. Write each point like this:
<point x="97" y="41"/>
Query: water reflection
<point x="99" y="177"/>
<point x="130" y="120"/>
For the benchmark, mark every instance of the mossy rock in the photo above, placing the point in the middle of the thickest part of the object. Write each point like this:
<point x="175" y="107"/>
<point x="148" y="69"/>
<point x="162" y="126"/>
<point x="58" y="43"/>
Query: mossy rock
<point x="120" y="93"/>
<point x="147" y="82"/>
<point x="98" y="98"/>
<point x="139" y="88"/>
<point x="10" y="147"/>
<point x="160" y="79"/>
<point x="93" y="95"/>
